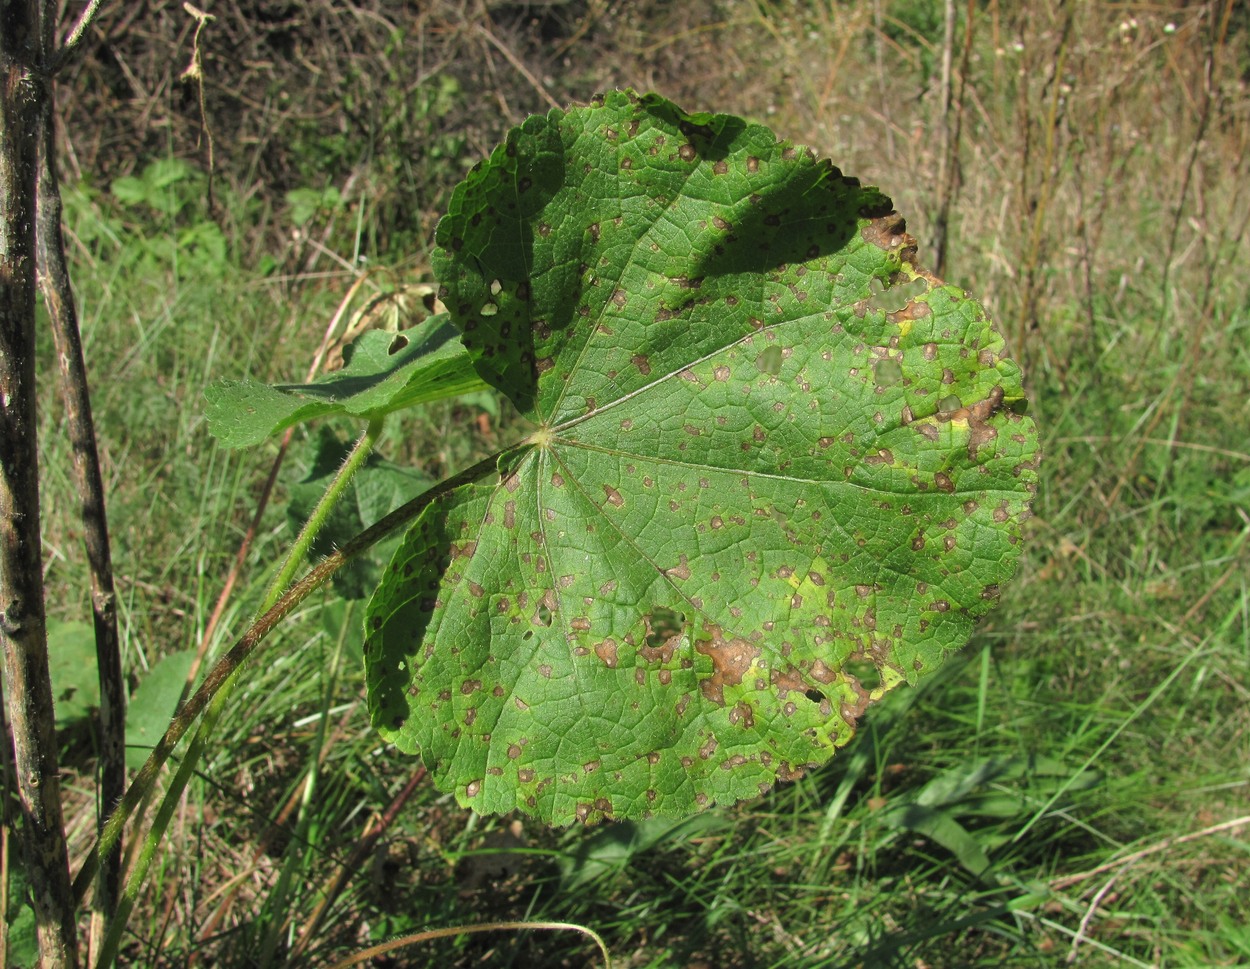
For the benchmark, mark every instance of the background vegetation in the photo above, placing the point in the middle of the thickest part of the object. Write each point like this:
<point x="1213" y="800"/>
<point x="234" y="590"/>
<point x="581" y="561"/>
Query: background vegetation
<point x="1072" y="788"/>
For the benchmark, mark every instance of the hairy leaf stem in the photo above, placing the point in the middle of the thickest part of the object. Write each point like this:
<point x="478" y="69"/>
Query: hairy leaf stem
<point x="246" y="646"/>
<point x="195" y="752"/>
<point x="298" y="552"/>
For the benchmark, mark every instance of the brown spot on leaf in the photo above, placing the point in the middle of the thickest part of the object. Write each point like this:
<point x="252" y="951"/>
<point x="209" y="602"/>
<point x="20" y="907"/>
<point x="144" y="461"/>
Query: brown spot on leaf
<point x="742" y="715"/>
<point x="731" y="659"/>
<point x="977" y="415"/>
<point x="681" y="570"/>
<point x="614" y="496"/>
<point x="606" y="651"/>
<point x="889" y="231"/>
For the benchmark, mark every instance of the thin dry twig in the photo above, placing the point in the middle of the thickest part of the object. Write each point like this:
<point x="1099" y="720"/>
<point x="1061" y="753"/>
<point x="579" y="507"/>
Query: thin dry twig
<point x="1161" y="442"/>
<point x="355" y="861"/>
<point x="1089" y="917"/>
<point x="521" y="69"/>
<point x="1068" y="880"/>
<point x="194" y="74"/>
<point x="58" y="298"/>
<point x="1235" y="568"/>
<point x="450" y="933"/>
<point x="24" y="102"/>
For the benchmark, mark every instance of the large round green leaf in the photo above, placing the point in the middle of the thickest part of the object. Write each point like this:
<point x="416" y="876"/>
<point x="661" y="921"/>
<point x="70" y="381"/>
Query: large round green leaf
<point x="777" y="470"/>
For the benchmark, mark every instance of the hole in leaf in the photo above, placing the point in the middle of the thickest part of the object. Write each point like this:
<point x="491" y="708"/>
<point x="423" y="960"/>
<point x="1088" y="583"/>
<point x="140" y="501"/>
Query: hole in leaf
<point x="865" y="671"/>
<point x="949" y="404"/>
<point x="769" y="361"/>
<point x="888" y="372"/>
<point x="814" y="695"/>
<point x="663" y="625"/>
<point x="543" y="616"/>
<point x="397" y="344"/>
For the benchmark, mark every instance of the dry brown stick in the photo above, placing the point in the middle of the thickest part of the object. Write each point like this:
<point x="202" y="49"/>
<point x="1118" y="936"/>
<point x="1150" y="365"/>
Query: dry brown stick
<point x="360" y="851"/>
<point x="517" y="63"/>
<point x="944" y="132"/>
<point x="23" y="626"/>
<point x="878" y="45"/>
<point x="1161" y="442"/>
<point x="1083" y="928"/>
<point x="1191" y="162"/>
<point x="1182" y="378"/>
<point x="1034" y="271"/>
<point x="4" y="887"/>
<point x="263" y="843"/>
<point x="1236" y="568"/>
<point x="413" y="938"/>
<point x="1153" y="849"/>
<point x="948" y="179"/>
<point x="595" y="11"/>
<point x="85" y="465"/>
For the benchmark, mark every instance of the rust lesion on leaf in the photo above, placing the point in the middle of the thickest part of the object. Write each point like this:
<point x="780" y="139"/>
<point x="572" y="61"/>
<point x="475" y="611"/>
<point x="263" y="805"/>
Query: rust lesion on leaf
<point x="731" y="660"/>
<point x="681" y="570"/>
<point x="976" y="416"/>
<point x="889" y="232"/>
<point x="607" y="652"/>
<point x="742" y="715"/>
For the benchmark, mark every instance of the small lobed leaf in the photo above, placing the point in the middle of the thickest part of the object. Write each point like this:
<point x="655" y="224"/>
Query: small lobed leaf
<point x="778" y="469"/>
<point x="384" y="372"/>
